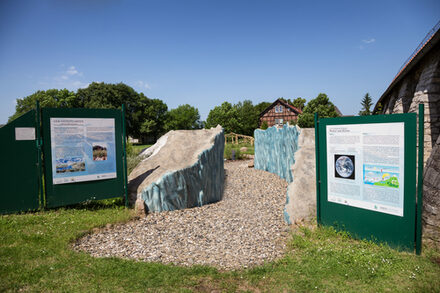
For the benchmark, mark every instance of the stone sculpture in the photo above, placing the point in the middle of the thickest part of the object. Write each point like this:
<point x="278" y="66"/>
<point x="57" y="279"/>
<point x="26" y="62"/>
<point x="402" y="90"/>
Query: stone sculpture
<point x="183" y="169"/>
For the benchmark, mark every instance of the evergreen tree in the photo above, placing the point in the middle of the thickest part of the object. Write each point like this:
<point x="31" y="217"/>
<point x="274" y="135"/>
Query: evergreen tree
<point x="366" y="105"/>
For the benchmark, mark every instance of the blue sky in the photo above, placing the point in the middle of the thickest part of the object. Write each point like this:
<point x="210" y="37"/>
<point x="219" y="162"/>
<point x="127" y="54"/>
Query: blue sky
<point x="205" y="52"/>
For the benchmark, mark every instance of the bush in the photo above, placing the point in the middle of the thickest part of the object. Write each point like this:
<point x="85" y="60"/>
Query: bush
<point x="306" y="120"/>
<point x="228" y="152"/>
<point x="264" y="125"/>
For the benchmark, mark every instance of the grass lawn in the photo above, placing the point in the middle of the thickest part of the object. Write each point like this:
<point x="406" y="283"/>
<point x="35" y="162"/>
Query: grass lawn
<point x="238" y="154"/>
<point x="35" y="256"/>
<point x="140" y="147"/>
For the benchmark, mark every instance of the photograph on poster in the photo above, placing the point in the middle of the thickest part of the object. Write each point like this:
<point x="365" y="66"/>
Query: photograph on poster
<point x="83" y="149"/>
<point x="99" y="151"/>
<point x="344" y="166"/>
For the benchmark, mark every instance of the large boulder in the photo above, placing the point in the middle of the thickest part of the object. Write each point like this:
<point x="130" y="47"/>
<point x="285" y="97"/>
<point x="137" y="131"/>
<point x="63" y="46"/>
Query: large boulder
<point x="183" y="169"/>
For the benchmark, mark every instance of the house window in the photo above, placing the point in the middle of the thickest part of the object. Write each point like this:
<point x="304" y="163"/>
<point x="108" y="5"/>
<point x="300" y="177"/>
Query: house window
<point x="278" y="109"/>
<point x="278" y="121"/>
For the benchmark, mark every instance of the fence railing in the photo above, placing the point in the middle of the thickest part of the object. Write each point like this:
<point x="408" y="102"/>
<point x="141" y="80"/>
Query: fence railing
<point x="235" y="138"/>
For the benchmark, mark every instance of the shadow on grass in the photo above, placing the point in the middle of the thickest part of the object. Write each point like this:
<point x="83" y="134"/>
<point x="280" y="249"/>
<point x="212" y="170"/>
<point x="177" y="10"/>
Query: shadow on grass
<point x="117" y="202"/>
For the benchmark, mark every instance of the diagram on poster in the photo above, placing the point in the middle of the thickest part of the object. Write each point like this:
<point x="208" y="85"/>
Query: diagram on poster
<point x="83" y="149"/>
<point x="365" y="166"/>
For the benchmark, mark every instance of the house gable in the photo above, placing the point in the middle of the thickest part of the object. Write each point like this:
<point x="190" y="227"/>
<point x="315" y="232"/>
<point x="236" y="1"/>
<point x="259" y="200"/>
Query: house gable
<point x="279" y="112"/>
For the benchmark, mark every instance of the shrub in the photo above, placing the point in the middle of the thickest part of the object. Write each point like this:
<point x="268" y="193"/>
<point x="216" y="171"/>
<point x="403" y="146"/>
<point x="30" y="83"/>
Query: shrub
<point x="264" y="125"/>
<point x="228" y="152"/>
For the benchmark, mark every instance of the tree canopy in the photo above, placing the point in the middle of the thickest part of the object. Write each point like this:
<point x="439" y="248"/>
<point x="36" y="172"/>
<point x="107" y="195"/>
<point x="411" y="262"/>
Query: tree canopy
<point x="144" y="116"/>
<point x="297" y="103"/>
<point x="183" y="117"/>
<point x="261" y="107"/>
<point x="50" y="99"/>
<point x="321" y="105"/>
<point x="240" y="118"/>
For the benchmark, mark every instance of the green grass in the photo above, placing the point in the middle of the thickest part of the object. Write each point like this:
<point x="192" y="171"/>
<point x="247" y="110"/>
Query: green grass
<point x="238" y="154"/>
<point x="137" y="148"/>
<point x="132" y="155"/>
<point x="36" y="256"/>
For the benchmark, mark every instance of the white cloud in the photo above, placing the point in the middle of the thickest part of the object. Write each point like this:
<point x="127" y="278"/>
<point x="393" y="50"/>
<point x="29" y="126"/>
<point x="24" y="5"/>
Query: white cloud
<point x="372" y="40"/>
<point x="70" y="78"/>
<point x="80" y="84"/>
<point x="142" y="84"/>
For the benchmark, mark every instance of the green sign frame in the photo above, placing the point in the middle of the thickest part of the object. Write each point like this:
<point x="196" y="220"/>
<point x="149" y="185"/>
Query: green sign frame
<point x="57" y="195"/>
<point x="20" y="165"/>
<point x="403" y="232"/>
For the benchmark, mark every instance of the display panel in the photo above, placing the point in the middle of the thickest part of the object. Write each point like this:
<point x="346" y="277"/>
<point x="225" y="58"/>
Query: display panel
<point x="83" y="149"/>
<point x="365" y="166"/>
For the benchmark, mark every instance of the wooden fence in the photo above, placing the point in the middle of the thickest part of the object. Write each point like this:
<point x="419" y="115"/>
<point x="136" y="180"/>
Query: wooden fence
<point x="235" y="138"/>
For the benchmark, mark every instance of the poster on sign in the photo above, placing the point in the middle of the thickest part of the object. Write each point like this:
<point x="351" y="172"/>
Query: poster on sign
<point x="365" y="166"/>
<point x="83" y="149"/>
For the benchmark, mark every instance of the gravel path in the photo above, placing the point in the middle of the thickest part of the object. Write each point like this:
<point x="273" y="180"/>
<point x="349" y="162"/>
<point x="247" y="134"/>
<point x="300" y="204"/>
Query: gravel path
<point x="245" y="229"/>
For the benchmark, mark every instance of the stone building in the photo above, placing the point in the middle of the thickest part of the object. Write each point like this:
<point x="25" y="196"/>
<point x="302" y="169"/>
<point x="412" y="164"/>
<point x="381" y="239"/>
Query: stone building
<point x="279" y="113"/>
<point x="418" y="81"/>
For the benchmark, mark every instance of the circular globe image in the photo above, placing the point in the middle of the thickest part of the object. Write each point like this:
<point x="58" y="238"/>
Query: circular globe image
<point x="344" y="166"/>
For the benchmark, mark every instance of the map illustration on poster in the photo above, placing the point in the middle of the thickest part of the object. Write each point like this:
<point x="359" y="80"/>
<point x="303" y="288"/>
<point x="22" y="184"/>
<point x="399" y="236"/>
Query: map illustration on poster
<point x="83" y="149"/>
<point x="365" y="166"/>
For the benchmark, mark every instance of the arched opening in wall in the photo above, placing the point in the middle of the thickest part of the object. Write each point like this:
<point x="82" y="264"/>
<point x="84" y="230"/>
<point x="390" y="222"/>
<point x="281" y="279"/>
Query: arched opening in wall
<point x="434" y="96"/>
<point x="410" y="88"/>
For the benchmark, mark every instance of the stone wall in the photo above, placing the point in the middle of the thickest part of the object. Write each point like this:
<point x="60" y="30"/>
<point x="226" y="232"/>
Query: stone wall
<point x="275" y="149"/>
<point x="431" y="197"/>
<point x="420" y="85"/>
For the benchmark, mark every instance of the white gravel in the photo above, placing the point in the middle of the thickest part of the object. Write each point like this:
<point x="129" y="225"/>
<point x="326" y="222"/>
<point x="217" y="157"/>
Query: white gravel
<point x="244" y="229"/>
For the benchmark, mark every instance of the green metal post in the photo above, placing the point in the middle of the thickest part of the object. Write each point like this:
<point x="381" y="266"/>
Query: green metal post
<point x="124" y="153"/>
<point x="420" y="180"/>
<point x="39" y="142"/>
<point x="318" y="179"/>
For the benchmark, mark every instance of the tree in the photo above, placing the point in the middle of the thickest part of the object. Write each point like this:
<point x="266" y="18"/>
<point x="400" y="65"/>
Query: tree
<point x="366" y="105"/>
<point x="379" y="109"/>
<point x="321" y="105"/>
<point x="224" y="115"/>
<point x="247" y="117"/>
<point x="145" y="117"/>
<point x="152" y="117"/>
<point x="261" y="107"/>
<point x="298" y="103"/>
<point x="100" y="95"/>
<point x="52" y="98"/>
<point x="183" y="117"/>
<point x="240" y="118"/>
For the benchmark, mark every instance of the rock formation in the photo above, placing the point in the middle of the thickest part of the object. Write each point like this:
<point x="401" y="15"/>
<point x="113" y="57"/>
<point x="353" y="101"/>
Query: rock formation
<point x="275" y="149"/>
<point x="183" y="169"/>
<point x="301" y="193"/>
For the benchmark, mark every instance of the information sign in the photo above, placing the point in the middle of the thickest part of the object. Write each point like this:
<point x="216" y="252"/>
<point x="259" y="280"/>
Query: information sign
<point x="366" y="177"/>
<point x="365" y="166"/>
<point x="83" y="149"/>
